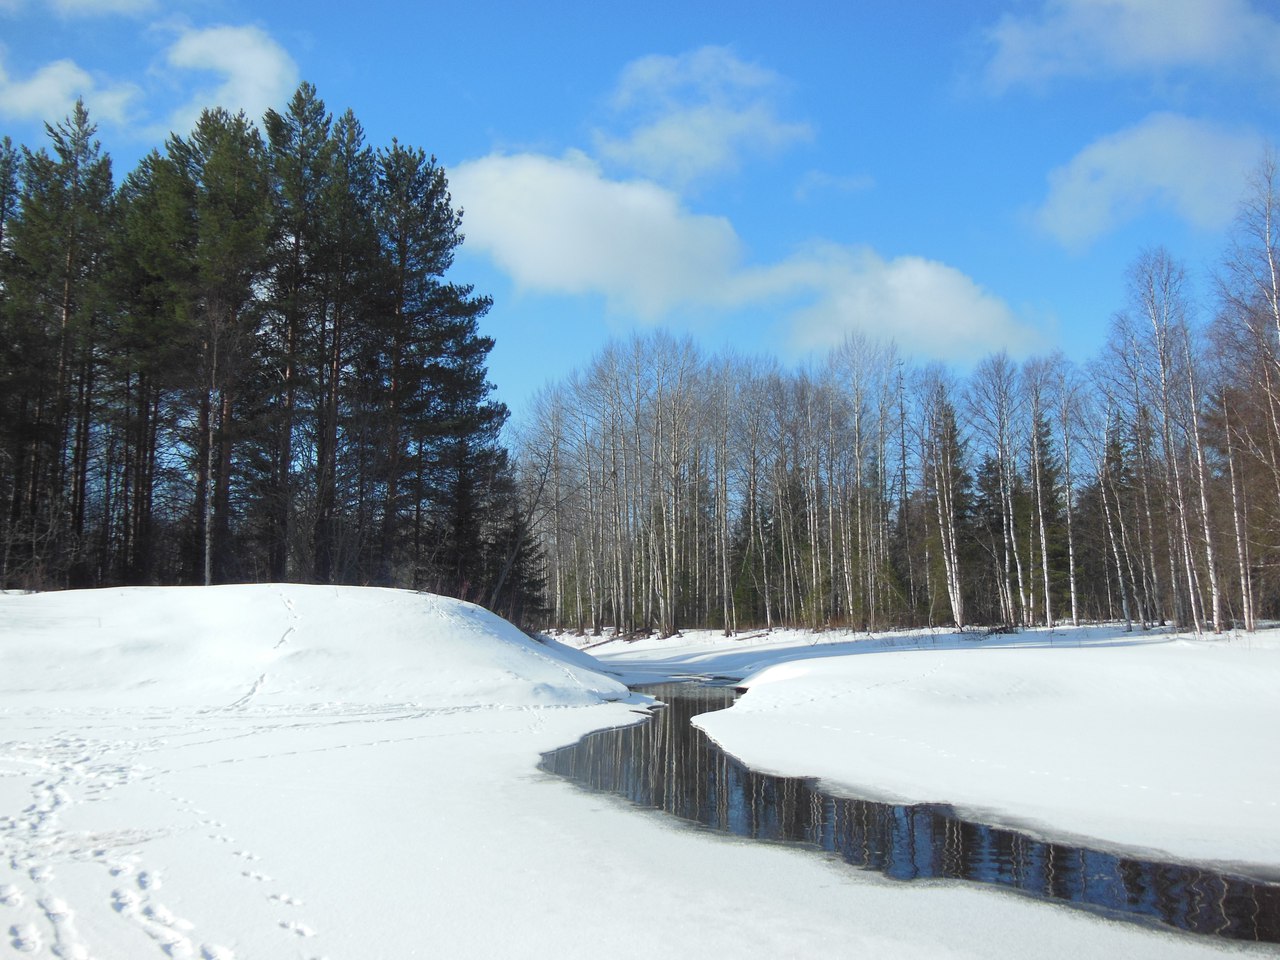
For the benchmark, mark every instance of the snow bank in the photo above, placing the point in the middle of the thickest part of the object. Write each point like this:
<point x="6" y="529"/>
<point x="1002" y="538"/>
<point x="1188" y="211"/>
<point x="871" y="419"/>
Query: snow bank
<point x="1144" y="741"/>
<point x="253" y="773"/>
<point x="272" y="645"/>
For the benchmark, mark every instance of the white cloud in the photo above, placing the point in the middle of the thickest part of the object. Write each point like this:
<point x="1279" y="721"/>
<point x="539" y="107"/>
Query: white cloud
<point x="559" y="226"/>
<point x="695" y="115"/>
<point x="1192" y="167"/>
<point x="1083" y="37"/>
<point x="255" y="71"/>
<point x="931" y="309"/>
<point x="50" y="93"/>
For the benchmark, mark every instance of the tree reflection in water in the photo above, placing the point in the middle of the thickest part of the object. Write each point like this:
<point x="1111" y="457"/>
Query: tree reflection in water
<point x="668" y="764"/>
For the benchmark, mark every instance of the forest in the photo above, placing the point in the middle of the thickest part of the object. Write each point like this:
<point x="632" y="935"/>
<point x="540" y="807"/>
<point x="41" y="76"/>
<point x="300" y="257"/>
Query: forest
<point x="246" y="362"/>
<point x="242" y="363"/>
<point x="674" y="489"/>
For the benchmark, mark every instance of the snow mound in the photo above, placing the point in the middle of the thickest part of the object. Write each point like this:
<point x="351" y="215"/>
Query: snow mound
<point x="272" y="645"/>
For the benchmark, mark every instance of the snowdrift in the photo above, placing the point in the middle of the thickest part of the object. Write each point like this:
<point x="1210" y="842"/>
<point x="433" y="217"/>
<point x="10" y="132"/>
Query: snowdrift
<point x="1156" y="742"/>
<point x="270" y="645"/>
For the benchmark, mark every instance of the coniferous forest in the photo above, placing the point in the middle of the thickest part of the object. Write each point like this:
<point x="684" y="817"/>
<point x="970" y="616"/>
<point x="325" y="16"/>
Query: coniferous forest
<point x="244" y="361"/>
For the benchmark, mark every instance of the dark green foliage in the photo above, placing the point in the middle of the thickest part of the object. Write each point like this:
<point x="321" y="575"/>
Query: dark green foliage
<point x="247" y="363"/>
<point x="56" y="264"/>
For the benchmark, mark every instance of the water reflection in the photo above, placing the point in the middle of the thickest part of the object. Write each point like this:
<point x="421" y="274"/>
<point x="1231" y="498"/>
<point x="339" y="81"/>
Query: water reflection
<point x="668" y="764"/>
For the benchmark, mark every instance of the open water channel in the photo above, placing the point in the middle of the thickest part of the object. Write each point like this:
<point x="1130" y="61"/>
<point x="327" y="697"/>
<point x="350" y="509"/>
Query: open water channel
<point x="667" y="764"/>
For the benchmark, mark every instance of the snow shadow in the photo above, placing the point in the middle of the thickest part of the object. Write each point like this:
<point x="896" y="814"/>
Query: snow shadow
<point x="649" y="664"/>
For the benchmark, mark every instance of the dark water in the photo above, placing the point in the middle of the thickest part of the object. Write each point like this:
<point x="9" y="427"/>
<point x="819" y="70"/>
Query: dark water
<point x="667" y="764"/>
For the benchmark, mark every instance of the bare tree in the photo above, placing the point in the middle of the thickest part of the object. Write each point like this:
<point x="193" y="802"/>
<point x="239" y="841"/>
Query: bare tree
<point x="943" y="451"/>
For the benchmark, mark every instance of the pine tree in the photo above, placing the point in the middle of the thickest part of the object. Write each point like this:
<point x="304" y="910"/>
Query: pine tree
<point x="10" y="399"/>
<point x="354" y="295"/>
<point x="10" y="161"/>
<point x="436" y="426"/>
<point x="55" y="302"/>
<point x="155" y="359"/>
<point x="225" y="228"/>
<point x="300" y="153"/>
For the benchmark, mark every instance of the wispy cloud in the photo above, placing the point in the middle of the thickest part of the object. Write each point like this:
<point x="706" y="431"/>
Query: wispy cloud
<point x="691" y="116"/>
<point x="1190" y="167"/>
<point x="818" y="182"/>
<point x="1086" y="37"/>
<point x="95" y="8"/>
<point x="51" y="91"/>
<point x="82" y="8"/>
<point x="253" y="71"/>
<point x="560" y="226"/>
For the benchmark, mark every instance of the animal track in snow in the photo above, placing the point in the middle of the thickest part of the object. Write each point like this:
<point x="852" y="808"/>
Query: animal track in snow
<point x="149" y="880"/>
<point x="286" y="899"/>
<point x="157" y="913"/>
<point x="211" y="951"/>
<point x="25" y="938"/>
<point x="260" y="877"/>
<point x="123" y="900"/>
<point x="246" y="855"/>
<point x="301" y="929"/>
<point x="55" y="908"/>
<point x="10" y="896"/>
<point x="175" y="945"/>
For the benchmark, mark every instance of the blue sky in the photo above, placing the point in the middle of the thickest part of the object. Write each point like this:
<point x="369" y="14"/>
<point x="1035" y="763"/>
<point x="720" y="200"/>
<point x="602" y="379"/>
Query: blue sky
<point x="964" y="177"/>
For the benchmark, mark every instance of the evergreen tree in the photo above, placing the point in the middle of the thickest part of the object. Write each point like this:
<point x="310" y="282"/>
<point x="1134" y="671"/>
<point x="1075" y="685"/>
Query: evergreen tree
<point x="354" y="295"/>
<point x="10" y="400"/>
<point x="9" y="164"/>
<point x="54" y="303"/>
<point x="300" y="154"/>
<point x="154" y="368"/>
<point x="226" y="229"/>
<point x="247" y="362"/>
<point x="436" y="427"/>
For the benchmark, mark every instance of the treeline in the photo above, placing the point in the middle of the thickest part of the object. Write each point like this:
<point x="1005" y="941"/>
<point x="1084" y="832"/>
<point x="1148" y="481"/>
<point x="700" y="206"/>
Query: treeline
<point x="667" y="488"/>
<point x="244" y="362"/>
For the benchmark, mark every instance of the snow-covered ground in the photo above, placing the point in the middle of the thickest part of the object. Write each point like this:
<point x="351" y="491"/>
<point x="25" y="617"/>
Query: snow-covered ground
<point x="291" y="771"/>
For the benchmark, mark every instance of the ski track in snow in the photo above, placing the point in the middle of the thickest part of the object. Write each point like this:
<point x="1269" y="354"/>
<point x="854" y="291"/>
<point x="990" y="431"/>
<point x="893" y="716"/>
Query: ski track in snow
<point x="65" y="771"/>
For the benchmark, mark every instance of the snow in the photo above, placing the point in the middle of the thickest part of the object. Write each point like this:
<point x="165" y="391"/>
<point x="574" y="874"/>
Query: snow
<point x="1154" y="742"/>
<point x="301" y="771"/>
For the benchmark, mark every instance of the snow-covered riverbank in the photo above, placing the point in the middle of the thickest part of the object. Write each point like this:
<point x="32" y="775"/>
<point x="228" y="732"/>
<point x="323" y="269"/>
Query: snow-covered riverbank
<point x="1152" y="741"/>
<point x="289" y="771"/>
